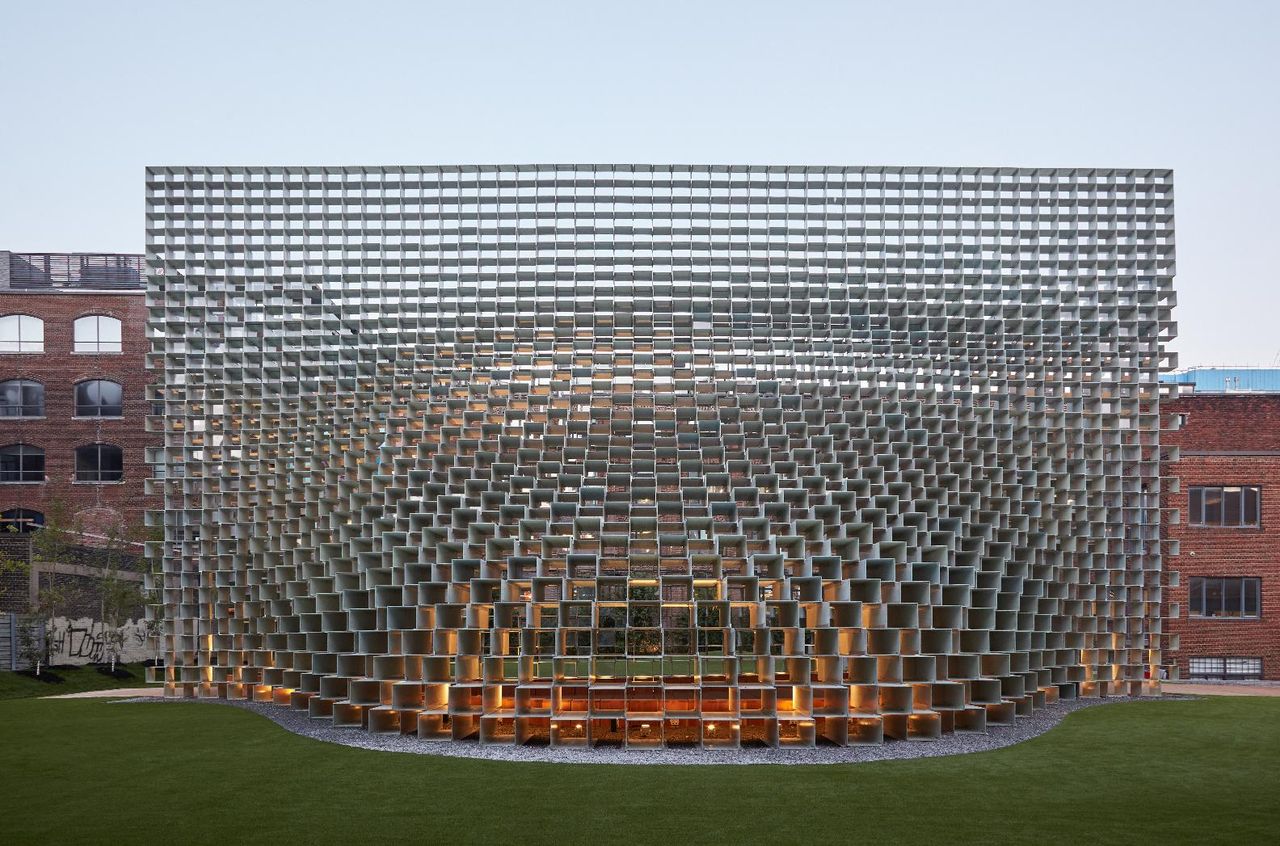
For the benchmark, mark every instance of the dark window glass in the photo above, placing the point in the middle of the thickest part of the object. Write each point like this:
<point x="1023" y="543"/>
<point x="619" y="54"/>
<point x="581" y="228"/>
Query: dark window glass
<point x="99" y="398"/>
<point x="21" y="398"/>
<point x="1232" y="597"/>
<point x="1252" y="506"/>
<point x="99" y="463"/>
<point x="1225" y="597"/>
<point x="21" y="520"/>
<point x="1252" y="604"/>
<point x="1213" y="597"/>
<point x="21" y="463"/>
<point x="1213" y="506"/>
<point x="1232" y="507"/>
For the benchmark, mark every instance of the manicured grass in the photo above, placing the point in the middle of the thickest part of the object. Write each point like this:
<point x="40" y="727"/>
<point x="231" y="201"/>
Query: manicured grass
<point x="74" y="680"/>
<point x="1152" y="772"/>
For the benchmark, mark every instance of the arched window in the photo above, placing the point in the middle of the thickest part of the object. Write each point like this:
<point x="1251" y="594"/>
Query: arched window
<point x="21" y="333"/>
<point x="97" y="333"/>
<point x="21" y="520"/>
<point x="21" y="463"/>
<point x="21" y="398"/>
<point x="99" y="463"/>
<point x="99" y="398"/>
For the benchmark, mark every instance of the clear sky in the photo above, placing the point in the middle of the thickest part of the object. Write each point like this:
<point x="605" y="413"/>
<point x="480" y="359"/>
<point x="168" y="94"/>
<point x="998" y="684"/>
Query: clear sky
<point x="92" y="92"/>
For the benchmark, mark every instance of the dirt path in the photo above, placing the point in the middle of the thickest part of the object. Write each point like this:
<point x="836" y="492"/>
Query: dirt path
<point x="1212" y="689"/>
<point x="119" y="692"/>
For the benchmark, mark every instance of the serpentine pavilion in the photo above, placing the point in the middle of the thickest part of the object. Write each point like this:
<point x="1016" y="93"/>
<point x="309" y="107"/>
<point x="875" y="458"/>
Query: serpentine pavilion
<point x="660" y="455"/>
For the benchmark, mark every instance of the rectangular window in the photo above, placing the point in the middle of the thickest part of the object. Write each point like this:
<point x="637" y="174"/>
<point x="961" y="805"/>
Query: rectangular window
<point x="1225" y="597"/>
<point x="1235" y="667"/>
<point x="1236" y="506"/>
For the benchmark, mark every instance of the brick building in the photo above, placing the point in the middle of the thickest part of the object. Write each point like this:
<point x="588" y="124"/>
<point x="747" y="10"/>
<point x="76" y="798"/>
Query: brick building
<point x="1227" y="600"/>
<point x="73" y="396"/>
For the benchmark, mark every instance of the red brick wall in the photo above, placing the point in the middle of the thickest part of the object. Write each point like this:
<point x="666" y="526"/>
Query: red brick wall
<point x="58" y="433"/>
<point x="1216" y="425"/>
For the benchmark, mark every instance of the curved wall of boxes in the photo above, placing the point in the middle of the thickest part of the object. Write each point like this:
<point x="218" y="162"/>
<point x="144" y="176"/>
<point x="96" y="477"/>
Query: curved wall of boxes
<point x="642" y="455"/>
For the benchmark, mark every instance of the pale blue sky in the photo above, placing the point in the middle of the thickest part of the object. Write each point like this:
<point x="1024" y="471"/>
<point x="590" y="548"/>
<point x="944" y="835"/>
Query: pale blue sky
<point x="92" y="92"/>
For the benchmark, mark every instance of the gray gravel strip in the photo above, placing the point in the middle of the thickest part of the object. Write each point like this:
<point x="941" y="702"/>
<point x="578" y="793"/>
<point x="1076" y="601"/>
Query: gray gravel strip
<point x="998" y="737"/>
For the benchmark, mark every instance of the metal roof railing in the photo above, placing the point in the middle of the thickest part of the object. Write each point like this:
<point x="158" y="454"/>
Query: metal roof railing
<point x="70" y="271"/>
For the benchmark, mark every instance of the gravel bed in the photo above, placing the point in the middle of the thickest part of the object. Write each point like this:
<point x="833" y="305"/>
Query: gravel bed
<point x="1024" y="728"/>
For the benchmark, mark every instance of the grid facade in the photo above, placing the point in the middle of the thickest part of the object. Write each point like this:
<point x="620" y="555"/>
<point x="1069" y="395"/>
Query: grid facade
<point x="660" y="455"/>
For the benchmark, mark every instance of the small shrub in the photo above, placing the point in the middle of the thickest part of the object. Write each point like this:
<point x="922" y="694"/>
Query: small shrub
<point x="116" y="672"/>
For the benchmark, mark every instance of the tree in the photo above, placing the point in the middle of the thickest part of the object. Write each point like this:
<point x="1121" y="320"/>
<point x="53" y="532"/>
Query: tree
<point x="53" y="543"/>
<point x="11" y="566"/>
<point x="30" y="649"/>
<point x="120" y="596"/>
<point x="52" y="600"/>
<point x="63" y="540"/>
<point x="56" y="539"/>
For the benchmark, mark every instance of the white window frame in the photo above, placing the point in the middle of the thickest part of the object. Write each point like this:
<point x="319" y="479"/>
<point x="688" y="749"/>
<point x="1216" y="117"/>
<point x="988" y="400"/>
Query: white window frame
<point x="28" y="330"/>
<point x="88" y="334"/>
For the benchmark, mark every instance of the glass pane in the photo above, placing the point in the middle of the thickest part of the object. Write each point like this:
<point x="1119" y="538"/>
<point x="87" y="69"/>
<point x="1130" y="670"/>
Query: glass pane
<point x="35" y="466"/>
<point x="87" y="464"/>
<point x="10" y="465"/>
<point x="110" y="399"/>
<point x="1231" y="506"/>
<point x="1213" y="597"/>
<point x="1197" y="506"/>
<point x="109" y="331"/>
<point x="10" y="399"/>
<point x="1243" y="667"/>
<point x="32" y="464"/>
<point x="1197" y="596"/>
<point x="1252" y="501"/>
<point x="1251" y="589"/>
<point x="1206" y="666"/>
<point x="32" y="334"/>
<point x="1232" y="597"/>
<point x="86" y="332"/>
<point x="33" y="398"/>
<point x="1213" y="506"/>
<point x="111" y="464"/>
<point x="9" y="331"/>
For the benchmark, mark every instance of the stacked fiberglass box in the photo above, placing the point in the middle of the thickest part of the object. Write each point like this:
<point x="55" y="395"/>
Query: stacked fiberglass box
<point x="646" y="455"/>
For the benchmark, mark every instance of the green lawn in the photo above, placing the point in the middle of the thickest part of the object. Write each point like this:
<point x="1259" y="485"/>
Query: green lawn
<point x="74" y="680"/>
<point x="1152" y="772"/>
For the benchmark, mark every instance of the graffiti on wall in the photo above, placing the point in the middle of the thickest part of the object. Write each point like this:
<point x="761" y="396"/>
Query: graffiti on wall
<point x="84" y="641"/>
